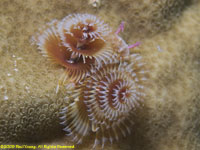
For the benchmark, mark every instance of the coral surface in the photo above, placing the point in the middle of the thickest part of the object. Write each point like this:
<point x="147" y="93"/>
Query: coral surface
<point x="170" y="35"/>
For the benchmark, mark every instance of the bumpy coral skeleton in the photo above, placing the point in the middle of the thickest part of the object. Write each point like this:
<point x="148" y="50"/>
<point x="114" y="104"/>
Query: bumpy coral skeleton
<point x="107" y="86"/>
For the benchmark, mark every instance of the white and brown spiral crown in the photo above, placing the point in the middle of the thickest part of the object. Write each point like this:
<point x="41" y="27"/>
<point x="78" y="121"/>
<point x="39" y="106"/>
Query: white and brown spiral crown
<point x="105" y="100"/>
<point x="85" y="36"/>
<point x="77" y="43"/>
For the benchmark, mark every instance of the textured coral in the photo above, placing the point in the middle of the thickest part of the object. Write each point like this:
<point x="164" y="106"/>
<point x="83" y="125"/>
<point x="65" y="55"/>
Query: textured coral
<point x="147" y="17"/>
<point x="169" y="118"/>
<point x="25" y="118"/>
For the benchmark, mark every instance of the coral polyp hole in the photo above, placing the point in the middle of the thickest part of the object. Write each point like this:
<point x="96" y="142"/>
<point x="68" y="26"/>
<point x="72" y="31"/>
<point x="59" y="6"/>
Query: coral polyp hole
<point x="3" y="122"/>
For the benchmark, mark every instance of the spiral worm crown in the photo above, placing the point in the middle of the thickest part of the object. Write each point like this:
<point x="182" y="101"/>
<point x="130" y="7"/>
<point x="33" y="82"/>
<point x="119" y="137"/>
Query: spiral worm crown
<point x="85" y="36"/>
<point x="77" y="43"/>
<point x="104" y="102"/>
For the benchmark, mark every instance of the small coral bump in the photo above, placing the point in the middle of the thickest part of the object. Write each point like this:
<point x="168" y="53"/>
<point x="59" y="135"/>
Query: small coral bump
<point x="106" y="100"/>
<point x="95" y="3"/>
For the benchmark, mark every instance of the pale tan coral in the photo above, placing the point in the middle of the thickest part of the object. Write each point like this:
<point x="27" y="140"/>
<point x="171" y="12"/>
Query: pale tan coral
<point x="146" y="17"/>
<point x="169" y="119"/>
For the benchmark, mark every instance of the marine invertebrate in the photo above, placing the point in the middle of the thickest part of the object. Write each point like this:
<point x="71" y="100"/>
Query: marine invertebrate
<point x="77" y="42"/>
<point x="85" y="46"/>
<point x="119" y="45"/>
<point x="85" y="36"/>
<point x="51" y="46"/>
<point x="104" y="101"/>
